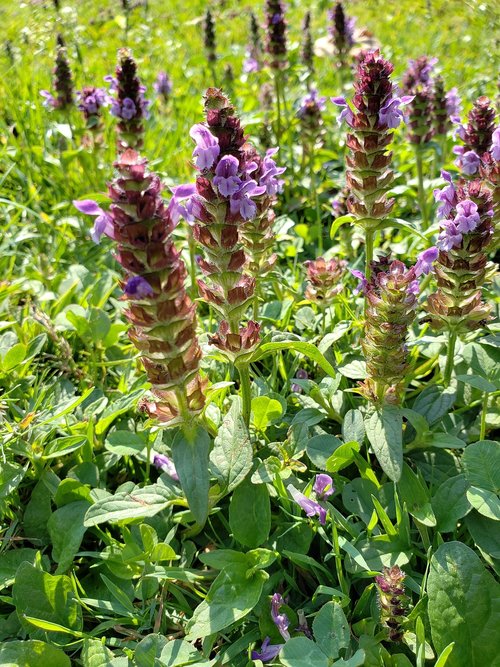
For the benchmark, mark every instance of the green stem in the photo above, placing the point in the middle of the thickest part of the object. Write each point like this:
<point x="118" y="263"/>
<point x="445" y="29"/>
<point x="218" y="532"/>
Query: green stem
<point x="246" y="392"/>
<point x="319" y="226"/>
<point x="192" y="264"/>
<point x="482" y="432"/>
<point x="421" y="189"/>
<point x="338" y="559"/>
<point x="369" y="233"/>
<point x="450" y="358"/>
<point x="278" y="106"/>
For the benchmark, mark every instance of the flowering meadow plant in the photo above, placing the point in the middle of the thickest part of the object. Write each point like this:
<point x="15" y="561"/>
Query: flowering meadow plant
<point x="249" y="341"/>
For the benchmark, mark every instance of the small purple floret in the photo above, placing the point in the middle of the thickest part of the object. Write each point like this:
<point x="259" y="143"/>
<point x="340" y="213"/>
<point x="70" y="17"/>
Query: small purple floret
<point x="165" y="464"/>
<point x="280" y="620"/>
<point x="138" y="287"/>
<point x="310" y="507"/>
<point x="323" y="485"/>
<point x="425" y="261"/>
<point x="207" y="146"/>
<point x="268" y="651"/>
<point x="467" y="217"/>
<point x="226" y="180"/>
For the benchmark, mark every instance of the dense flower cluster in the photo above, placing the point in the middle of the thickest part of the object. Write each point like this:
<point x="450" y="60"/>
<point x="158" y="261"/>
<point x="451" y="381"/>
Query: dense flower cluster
<point x="462" y="267"/>
<point x="230" y="206"/>
<point x="90" y="102"/>
<point x="163" y="317"/>
<point x="391" y="301"/>
<point x="325" y="279"/>
<point x="376" y="111"/>
<point x="392" y="600"/>
<point x="253" y="60"/>
<point x="307" y="51"/>
<point x="490" y="172"/>
<point x="310" y="111"/>
<point x="417" y="83"/>
<point x="163" y="86"/>
<point x="63" y="84"/>
<point x="477" y="136"/>
<point x="128" y="103"/>
<point x="342" y="32"/>
<point x="276" y="34"/>
<point x="209" y="41"/>
<point x="445" y="107"/>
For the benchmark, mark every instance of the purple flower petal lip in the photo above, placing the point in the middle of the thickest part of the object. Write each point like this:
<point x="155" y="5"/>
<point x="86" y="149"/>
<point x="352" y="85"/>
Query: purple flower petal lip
<point x="268" y="651"/>
<point x="138" y="287"/>
<point x="226" y="180"/>
<point x="425" y="261"/>
<point x="414" y="287"/>
<point x="469" y="162"/>
<point x="339" y="101"/>
<point x="88" y="206"/>
<point x="449" y="237"/>
<point x="251" y="65"/>
<point x="467" y="217"/>
<point x="323" y="485"/>
<point x="310" y="507"/>
<point x="445" y="175"/>
<point x="281" y="621"/>
<point x="165" y="464"/>
<point x="103" y="223"/>
<point x="50" y="100"/>
<point x="391" y="114"/>
<point x="495" y="148"/>
<point x="207" y="146"/>
<point x="363" y="283"/>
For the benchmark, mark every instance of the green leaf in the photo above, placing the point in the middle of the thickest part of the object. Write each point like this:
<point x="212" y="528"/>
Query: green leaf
<point x="464" y="606"/>
<point x="96" y="654"/>
<point x="302" y="652"/>
<point x="434" y="402"/>
<point x="148" y="649"/>
<point x="231" y="456"/>
<point x="308" y="349"/>
<point x="119" y="407"/>
<point x="331" y="629"/>
<point x="444" y="441"/>
<point x="180" y="653"/>
<point x="128" y="505"/>
<point x="10" y="561"/>
<point x="11" y="475"/>
<point x="13" y="357"/>
<point x="478" y="382"/>
<point x="485" y="502"/>
<point x="353" y="427"/>
<point x="190" y="453"/>
<point x="63" y="446"/>
<point x="414" y="493"/>
<point x="66" y="531"/>
<point x="450" y="503"/>
<point x="342" y="456"/>
<point x="265" y="411"/>
<point x="401" y="224"/>
<point x="231" y="597"/>
<point x="250" y="514"/>
<point x="338" y="222"/>
<point x="320" y="447"/>
<point x="47" y="597"/>
<point x="481" y="462"/>
<point x="485" y="533"/>
<point x="384" y="429"/>
<point x="357" y="660"/>
<point x="32" y="653"/>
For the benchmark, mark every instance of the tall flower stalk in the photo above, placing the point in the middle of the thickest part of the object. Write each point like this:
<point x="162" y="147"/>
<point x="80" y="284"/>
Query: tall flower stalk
<point x="128" y="103"/>
<point x="307" y="50"/>
<point x="63" y="99"/>
<point x="230" y="208"/>
<point x="276" y="48"/>
<point x="209" y="42"/>
<point x="162" y="316"/>
<point x="476" y="135"/>
<point x="253" y="60"/>
<point x="417" y="82"/>
<point x="342" y="36"/>
<point x="391" y="301"/>
<point x="462" y="265"/>
<point x="375" y="112"/>
<point x="392" y="600"/>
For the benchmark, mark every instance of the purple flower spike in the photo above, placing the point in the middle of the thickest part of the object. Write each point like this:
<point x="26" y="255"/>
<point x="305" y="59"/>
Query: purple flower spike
<point x="323" y="485"/>
<point x="449" y="237"/>
<point x="268" y="651"/>
<point x="138" y="287"/>
<point x="467" y="218"/>
<point x="280" y="620"/>
<point x="310" y="507"/>
<point x="103" y="223"/>
<point x="425" y="261"/>
<point x="346" y="113"/>
<point x="362" y="281"/>
<point x="226" y="179"/>
<point x="165" y="464"/>
<point x="391" y="114"/>
<point x="241" y="201"/>
<point x="207" y="146"/>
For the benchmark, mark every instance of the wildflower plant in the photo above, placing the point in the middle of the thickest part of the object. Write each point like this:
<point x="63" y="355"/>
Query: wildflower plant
<point x="392" y="600"/>
<point x="91" y="102"/>
<point x="476" y="136"/>
<point x="342" y="33"/>
<point x="209" y="39"/>
<point x="63" y="98"/>
<point x="254" y="53"/>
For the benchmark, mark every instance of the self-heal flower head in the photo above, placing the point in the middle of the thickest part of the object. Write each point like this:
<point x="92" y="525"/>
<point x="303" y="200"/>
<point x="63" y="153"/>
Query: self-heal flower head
<point x="311" y="100"/>
<point x="310" y="507"/>
<point x="102" y="224"/>
<point x="425" y="261"/>
<point x="392" y="600"/>
<point x="165" y="464"/>
<point x="241" y="201"/>
<point x="91" y="100"/>
<point x="267" y="652"/>
<point x="226" y="179"/>
<point x="280" y="620"/>
<point x="495" y="147"/>
<point x="467" y="217"/>
<point x="207" y="146"/>
<point x="391" y="114"/>
<point x="449" y="237"/>
<point x="323" y="486"/>
<point x="138" y="287"/>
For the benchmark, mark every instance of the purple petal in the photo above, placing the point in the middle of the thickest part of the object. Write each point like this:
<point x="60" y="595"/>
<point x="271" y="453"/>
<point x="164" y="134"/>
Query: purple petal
<point x="88" y="206"/>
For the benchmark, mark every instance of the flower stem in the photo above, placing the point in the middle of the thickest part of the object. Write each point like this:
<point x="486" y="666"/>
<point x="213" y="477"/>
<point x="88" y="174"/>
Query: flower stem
<point x="369" y="233"/>
<point x="246" y="392"/>
<point x="421" y="189"/>
<point x="314" y="187"/>
<point x="192" y="264"/>
<point x="278" y="106"/>
<point x="482" y="432"/>
<point x="450" y="358"/>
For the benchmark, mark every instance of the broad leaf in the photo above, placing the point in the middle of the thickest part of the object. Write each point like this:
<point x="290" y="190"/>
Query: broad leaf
<point x="190" y="454"/>
<point x="250" y="514"/>
<point x="231" y="457"/>
<point x="384" y="429"/>
<point x="331" y="629"/>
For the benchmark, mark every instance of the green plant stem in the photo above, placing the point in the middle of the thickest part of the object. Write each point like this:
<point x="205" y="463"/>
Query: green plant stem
<point x="246" y="391"/>
<point x="277" y="88"/>
<point x="192" y="264"/>
<point x="369" y="234"/>
<point x="338" y="559"/>
<point x="450" y="358"/>
<point x="421" y="189"/>
<point x="484" y="408"/>
<point x="314" y="187"/>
